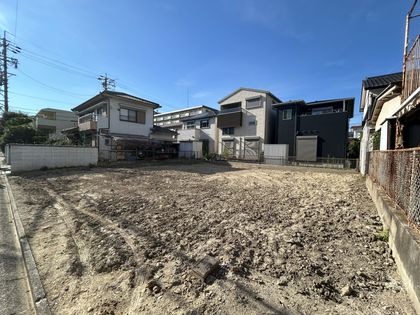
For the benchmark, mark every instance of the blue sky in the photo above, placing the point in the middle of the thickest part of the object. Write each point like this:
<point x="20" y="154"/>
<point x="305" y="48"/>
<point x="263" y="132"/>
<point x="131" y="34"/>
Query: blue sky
<point x="166" y="50"/>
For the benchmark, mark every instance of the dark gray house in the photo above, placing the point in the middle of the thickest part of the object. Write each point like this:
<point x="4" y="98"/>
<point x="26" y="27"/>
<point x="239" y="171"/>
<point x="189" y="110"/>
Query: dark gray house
<point x="315" y="129"/>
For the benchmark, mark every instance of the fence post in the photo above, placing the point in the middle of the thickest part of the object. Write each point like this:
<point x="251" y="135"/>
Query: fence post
<point x="414" y="203"/>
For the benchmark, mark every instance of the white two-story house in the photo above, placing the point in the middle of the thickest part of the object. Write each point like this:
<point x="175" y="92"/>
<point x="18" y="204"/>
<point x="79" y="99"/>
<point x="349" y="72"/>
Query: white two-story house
<point x="117" y="123"/>
<point x="52" y="121"/>
<point x="199" y="132"/>
<point x="246" y="122"/>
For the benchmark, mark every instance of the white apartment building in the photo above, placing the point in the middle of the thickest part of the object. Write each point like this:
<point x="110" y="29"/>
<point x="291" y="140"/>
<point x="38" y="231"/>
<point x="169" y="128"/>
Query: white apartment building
<point x="52" y="121"/>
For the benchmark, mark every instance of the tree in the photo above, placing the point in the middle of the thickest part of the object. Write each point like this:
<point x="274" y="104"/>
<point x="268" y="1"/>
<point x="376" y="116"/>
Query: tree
<point x="353" y="149"/>
<point x="17" y="128"/>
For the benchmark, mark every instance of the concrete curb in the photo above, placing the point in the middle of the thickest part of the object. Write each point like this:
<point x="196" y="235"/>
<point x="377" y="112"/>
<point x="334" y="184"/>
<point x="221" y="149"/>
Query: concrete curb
<point x="403" y="240"/>
<point x="37" y="290"/>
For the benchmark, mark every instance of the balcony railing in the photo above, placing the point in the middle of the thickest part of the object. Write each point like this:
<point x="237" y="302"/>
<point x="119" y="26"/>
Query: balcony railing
<point x="411" y="78"/>
<point x="223" y="111"/>
<point x="88" y="122"/>
<point x="189" y="134"/>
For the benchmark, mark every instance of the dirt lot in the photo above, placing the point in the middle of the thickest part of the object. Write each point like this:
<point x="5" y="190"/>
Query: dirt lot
<point x="123" y="240"/>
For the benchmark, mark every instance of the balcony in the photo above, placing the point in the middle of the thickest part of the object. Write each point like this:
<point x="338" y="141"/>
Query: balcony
<point x="189" y="134"/>
<point x="229" y="117"/>
<point x="411" y="75"/>
<point x="88" y="122"/>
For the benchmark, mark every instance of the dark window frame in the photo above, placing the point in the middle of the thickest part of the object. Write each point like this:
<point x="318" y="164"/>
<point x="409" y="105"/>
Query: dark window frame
<point x="259" y="98"/>
<point x="133" y="118"/>
<point x="228" y="131"/>
<point x="207" y="121"/>
<point x="190" y="124"/>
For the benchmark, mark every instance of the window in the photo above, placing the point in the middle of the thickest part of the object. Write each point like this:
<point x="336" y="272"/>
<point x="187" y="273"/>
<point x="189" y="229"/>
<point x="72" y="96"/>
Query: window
<point x="107" y="142"/>
<point x="252" y="122"/>
<point x="204" y="123"/>
<point x="254" y="102"/>
<point x="228" y="131"/>
<point x="190" y="124"/>
<point x="287" y="114"/>
<point x="322" y="110"/>
<point x="131" y="115"/>
<point x="101" y="111"/>
<point x="48" y="115"/>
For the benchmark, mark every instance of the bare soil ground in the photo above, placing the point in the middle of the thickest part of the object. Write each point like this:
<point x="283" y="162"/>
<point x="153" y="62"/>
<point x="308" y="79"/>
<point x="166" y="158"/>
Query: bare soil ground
<point x="123" y="240"/>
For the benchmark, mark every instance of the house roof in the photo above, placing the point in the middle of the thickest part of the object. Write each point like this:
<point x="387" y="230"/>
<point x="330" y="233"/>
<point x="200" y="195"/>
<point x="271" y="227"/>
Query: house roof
<point x="252" y="90"/>
<point x="349" y="102"/>
<point x="381" y="80"/>
<point x="184" y="110"/>
<point x="121" y="95"/>
<point x="49" y="109"/>
<point x="200" y="116"/>
<point x="159" y="129"/>
<point x="293" y="102"/>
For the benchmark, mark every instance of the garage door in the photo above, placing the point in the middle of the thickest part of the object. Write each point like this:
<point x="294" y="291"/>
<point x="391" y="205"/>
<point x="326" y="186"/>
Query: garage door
<point x="306" y="148"/>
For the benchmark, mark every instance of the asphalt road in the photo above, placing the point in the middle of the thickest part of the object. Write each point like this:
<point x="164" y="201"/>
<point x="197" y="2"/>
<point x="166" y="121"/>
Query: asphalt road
<point x="15" y="296"/>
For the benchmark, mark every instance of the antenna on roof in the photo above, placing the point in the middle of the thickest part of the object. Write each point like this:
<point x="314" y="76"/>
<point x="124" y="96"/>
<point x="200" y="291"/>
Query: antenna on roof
<point x="107" y="82"/>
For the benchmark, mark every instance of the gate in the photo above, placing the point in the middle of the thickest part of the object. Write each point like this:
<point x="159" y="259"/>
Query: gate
<point x="252" y="149"/>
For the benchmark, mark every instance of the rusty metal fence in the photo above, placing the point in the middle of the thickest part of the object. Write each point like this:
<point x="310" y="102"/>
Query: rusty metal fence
<point x="398" y="173"/>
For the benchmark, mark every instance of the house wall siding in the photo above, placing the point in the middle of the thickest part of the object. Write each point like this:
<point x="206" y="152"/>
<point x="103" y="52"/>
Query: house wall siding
<point x="261" y="115"/>
<point x="332" y="132"/>
<point x="126" y="127"/>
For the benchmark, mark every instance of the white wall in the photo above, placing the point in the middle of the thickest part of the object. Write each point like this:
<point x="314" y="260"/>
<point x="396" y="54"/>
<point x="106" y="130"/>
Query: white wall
<point x="388" y="110"/>
<point x="26" y="157"/>
<point x="262" y="115"/>
<point x="210" y="134"/>
<point x="276" y="153"/>
<point x="126" y="127"/>
<point x="365" y="148"/>
<point x="384" y="136"/>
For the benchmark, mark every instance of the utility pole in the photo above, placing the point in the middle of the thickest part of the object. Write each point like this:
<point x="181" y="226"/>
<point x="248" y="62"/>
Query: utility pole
<point x="6" y="61"/>
<point x="5" y="76"/>
<point x="406" y="37"/>
<point x="106" y="82"/>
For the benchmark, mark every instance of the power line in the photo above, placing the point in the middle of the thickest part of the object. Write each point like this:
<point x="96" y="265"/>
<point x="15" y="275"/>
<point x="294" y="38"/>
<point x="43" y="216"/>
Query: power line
<point x="57" y="66"/>
<point x="39" y="98"/>
<point x="51" y="87"/>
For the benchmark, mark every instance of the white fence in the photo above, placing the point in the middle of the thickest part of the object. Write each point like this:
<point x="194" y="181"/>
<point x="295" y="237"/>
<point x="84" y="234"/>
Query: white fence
<point x="27" y="157"/>
<point x="275" y="153"/>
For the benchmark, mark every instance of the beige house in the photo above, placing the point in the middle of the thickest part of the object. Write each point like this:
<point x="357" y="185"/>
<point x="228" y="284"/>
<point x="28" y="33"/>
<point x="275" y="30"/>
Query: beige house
<point x="52" y="121"/>
<point x="246" y="122"/>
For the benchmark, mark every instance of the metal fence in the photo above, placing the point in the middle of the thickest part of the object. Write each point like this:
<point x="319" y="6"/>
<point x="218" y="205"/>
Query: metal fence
<point x="337" y="163"/>
<point x="398" y="173"/>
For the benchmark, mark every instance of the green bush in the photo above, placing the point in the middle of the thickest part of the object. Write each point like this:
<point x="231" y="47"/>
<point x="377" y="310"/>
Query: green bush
<point x="376" y="140"/>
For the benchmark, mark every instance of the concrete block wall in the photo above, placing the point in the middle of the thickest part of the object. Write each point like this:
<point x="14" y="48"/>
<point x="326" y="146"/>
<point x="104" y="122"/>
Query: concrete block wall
<point x="27" y="157"/>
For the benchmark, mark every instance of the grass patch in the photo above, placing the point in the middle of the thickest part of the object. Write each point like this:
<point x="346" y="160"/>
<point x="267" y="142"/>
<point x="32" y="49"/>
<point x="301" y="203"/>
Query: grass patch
<point x="383" y="235"/>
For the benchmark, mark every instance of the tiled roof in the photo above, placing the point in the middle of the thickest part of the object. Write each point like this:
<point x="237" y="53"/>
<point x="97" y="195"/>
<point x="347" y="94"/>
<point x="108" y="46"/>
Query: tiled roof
<point x="103" y="95"/>
<point x="382" y="80"/>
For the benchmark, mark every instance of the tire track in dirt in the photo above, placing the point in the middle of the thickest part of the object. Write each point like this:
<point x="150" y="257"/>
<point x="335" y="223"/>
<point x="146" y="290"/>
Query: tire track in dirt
<point x="63" y="205"/>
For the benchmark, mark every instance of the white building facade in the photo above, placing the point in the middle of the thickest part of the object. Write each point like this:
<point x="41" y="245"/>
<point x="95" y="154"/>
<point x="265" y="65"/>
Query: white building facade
<point x="52" y="121"/>
<point x="246" y="122"/>
<point x="117" y="123"/>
